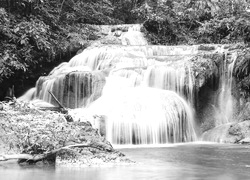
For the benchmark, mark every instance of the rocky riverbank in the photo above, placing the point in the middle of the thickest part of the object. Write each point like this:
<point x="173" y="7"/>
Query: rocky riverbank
<point x="32" y="135"/>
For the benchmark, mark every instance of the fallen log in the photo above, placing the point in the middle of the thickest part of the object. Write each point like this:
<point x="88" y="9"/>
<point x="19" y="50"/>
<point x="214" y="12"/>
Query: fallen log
<point x="39" y="157"/>
<point x="62" y="109"/>
<point x="57" y="109"/>
<point x="57" y="101"/>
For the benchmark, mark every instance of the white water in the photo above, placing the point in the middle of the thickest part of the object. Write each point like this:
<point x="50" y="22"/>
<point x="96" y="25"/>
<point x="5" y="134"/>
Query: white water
<point x="148" y="97"/>
<point x="143" y="115"/>
<point x="133" y="36"/>
<point x="176" y="162"/>
<point x="28" y="95"/>
<point x="225" y="108"/>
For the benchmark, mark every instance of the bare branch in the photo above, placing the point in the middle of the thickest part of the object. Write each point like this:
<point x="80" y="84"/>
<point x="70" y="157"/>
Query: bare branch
<point x="60" y="105"/>
<point x="40" y="157"/>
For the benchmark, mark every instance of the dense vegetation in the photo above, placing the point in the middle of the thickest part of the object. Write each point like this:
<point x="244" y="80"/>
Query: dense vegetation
<point x="197" y="21"/>
<point x="38" y="34"/>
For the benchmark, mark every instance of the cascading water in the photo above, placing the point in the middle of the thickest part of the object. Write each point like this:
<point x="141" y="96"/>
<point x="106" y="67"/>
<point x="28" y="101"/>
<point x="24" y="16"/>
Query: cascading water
<point x="154" y="104"/>
<point x="225" y="101"/>
<point x="73" y="89"/>
<point x="143" y="115"/>
<point x="80" y="81"/>
<point x="133" y="36"/>
<point x="225" y="108"/>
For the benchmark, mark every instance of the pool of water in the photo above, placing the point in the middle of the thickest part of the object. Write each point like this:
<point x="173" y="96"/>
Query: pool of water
<point x="182" y="161"/>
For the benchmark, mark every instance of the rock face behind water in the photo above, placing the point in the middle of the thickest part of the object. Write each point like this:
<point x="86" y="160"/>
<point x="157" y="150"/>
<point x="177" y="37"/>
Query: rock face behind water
<point x="244" y="114"/>
<point x="73" y="89"/>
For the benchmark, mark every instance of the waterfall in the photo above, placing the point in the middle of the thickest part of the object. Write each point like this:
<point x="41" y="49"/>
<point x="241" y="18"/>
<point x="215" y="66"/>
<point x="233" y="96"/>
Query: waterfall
<point x="225" y="100"/>
<point x="143" y="115"/>
<point x="28" y="95"/>
<point x="74" y="89"/>
<point x="161" y="67"/>
<point x="80" y="81"/>
<point x="144" y="91"/>
<point x="134" y="36"/>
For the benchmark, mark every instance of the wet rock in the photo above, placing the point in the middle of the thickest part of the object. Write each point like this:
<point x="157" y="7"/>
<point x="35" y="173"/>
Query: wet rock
<point x="244" y="113"/>
<point x="206" y="47"/>
<point x="90" y="157"/>
<point x="219" y="134"/>
<point x="118" y="33"/>
<point x="123" y="28"/>
<point x="235" y="130"/>
<point x="229" y="133"/>
<point x="68" y="118"/>
<point x="206" y="68"/>
<point x="110" y="39"/>
<point x="242" y="128"/>
<point x="93" y="37"/>
<point x="1" y="106"/>
<point x="245" y="141"/>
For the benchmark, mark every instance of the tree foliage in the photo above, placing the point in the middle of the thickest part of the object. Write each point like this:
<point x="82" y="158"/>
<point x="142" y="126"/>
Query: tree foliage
<point x="38" y="34"/>
<point x="196" y="21"/>
<point x="242" y="72"/>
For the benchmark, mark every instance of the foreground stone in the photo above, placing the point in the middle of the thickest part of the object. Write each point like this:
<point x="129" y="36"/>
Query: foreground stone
<point x="238" y="132"/>
<point x="34" y="136"/>
<point x="233" y="132"/>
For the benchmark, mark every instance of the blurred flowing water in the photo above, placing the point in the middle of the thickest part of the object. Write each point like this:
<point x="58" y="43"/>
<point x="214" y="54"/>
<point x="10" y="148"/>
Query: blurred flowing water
<point x="176" y="161"/>
<point x="146" y="93"/>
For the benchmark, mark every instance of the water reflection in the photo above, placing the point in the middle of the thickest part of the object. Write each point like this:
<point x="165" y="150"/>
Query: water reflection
<point x="187" y="161"/>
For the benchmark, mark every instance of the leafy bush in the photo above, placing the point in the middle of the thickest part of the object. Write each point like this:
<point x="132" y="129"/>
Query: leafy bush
<point x="22" y="43"/>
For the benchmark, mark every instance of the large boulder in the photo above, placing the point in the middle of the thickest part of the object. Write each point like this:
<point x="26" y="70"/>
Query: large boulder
<point x="229" y="133"/>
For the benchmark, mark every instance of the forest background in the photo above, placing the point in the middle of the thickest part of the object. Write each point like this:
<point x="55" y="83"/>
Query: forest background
<point x="36" y="35"/>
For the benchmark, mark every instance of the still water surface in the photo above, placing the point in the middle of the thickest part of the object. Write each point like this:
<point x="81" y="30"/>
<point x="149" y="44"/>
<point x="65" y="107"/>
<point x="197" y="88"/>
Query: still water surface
<point x="183" y="161"/>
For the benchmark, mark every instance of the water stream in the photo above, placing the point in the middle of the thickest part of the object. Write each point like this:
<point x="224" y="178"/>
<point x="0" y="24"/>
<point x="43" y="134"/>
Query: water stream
<point x="175" y="162"/>
<point x="225" y="107"/>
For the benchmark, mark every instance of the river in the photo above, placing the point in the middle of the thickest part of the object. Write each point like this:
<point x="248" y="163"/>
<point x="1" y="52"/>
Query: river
<point x="177" y="161"/>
